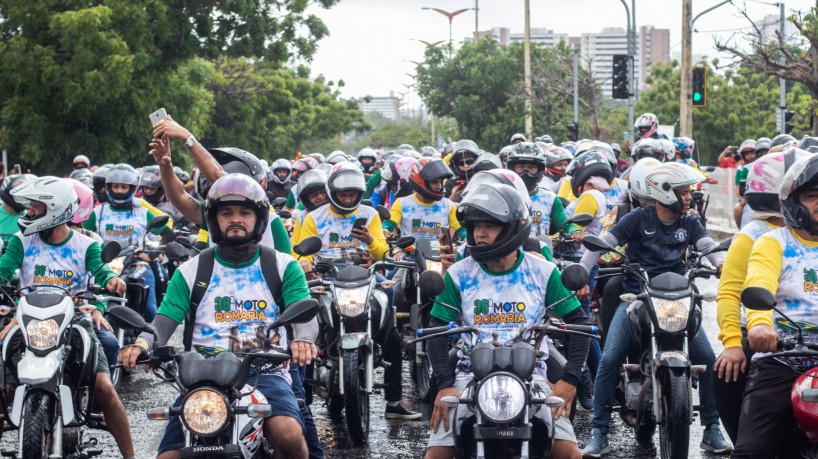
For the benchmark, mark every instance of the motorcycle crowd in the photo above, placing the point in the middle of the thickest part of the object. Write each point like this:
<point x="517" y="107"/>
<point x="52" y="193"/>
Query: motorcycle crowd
<point x="518" y="287"/>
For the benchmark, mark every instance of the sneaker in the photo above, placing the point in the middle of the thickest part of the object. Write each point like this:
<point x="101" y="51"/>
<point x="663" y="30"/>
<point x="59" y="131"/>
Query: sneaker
<point x="714" y="441"/>
<point x="597" y="445"/>
<point x="400" y="412"/>
<point x="585" y="397"/>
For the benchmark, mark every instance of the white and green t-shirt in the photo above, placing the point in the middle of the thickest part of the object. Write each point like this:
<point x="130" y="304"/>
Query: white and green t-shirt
<point x="128" y="225"/>
<point x="334" y="231"/>
<point x="502" y="302"/>
<point x="422" y="220"/>
<point x="237" y="300"/>
<point x="275" y="236"/>
<point x="541" y="203"/>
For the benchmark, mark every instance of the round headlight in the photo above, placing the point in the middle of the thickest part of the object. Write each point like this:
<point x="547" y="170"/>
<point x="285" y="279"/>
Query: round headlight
<point x="436" y="266"/>
<point x="351" y="301"/>
<point x="672" y="314"/>
<point x="205" y="412"/>
<point x="42" y="334"/>
<point x="501" y="398"/>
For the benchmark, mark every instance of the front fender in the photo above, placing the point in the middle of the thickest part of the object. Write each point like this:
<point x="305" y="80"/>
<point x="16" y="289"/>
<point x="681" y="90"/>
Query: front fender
<point x="355" y="340"/>
<point x="40" y="371"/>
<point x="673" y="359"/>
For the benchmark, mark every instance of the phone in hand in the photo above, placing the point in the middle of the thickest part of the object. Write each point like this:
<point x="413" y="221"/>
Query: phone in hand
<point x="17" y="169"/>
<point x="447" y="238"/>
<point x="359" y="223"/>
<point x="460" y="183"/>
<point x="158" y="115"/>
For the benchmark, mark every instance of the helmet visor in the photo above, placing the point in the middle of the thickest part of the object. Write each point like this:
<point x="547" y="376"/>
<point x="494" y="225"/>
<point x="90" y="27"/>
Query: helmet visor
<point x="236" y="187"/>
<point x="349" y="180"/>
<point x="121" y="176"/>
<point x="489" y="201"/>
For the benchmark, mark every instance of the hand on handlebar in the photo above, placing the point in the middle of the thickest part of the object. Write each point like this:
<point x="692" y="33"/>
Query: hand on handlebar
<point x="308" y="270"/>
<point x="116" y="285"/>
<point x="129" y="355"/>
<point x="584" y="293"/>
<point x="303" y="352"/>
<point x="99" y="321"/>
<point x="762" y="338"/>
<point x="8" y="328"/>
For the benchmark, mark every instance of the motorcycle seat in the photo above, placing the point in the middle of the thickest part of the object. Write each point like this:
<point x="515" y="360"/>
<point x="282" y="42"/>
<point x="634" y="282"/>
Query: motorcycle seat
<point x="223" y="370"/>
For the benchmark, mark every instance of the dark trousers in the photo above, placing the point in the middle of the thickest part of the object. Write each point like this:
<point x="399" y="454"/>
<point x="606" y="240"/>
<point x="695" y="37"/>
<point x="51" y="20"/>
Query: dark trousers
<point x="728" y="399"/>
<point x="766" y="424"/>
<point x="310" y="432"/>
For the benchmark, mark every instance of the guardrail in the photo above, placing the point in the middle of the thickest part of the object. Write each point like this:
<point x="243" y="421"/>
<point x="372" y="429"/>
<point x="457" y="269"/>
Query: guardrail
<point x="722" y="200"/>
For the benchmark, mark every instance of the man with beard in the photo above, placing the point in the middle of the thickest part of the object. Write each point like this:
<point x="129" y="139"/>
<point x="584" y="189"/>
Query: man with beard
<point x="237" y="210"/>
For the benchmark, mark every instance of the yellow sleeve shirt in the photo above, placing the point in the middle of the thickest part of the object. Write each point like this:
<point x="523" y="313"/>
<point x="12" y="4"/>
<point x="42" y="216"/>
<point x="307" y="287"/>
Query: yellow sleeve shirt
<point x="763" y="270"/>
<point x="728" y="310"/>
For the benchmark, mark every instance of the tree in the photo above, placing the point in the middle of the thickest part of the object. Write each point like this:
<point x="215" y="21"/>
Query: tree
<point x="81" y="77"/>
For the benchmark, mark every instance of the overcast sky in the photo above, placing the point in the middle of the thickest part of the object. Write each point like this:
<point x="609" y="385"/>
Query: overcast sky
<point x="371" y="41"/>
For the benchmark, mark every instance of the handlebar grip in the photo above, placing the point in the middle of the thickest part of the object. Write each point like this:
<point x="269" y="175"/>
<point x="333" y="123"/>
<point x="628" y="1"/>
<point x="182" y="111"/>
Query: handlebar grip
<point x="786" y="344"/>
<point x="610" y="271"/>
<point x="431" y="330"/>
<point x="315" y="283"/>
<point x="591" y="329"/>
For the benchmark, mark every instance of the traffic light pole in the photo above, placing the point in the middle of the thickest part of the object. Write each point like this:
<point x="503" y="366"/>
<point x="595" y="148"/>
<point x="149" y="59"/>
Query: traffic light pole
<point x="685" y="103"/>
<point x="631" y="40"/>
<point x="782" y="84"/>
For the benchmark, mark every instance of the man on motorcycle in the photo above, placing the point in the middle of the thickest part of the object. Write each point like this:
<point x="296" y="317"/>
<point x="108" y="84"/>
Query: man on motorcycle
<point x="657" y="237"/>
<point x="150" y="184"/>
<point x="282" y="178"/>
<point x="45" y="240"/>
<point x="237" y="209"/>
<point x="782" y="261"/>
<point x="11" y="210"/>
<point x="461" y="162"/>
<point x="125" y="218"/>
<point x="343" y="243"/>
<point x="497" y="224"/>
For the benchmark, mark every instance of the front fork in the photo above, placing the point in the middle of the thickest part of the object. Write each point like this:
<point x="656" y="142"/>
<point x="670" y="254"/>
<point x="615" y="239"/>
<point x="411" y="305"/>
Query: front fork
<point x="682" y="362"/>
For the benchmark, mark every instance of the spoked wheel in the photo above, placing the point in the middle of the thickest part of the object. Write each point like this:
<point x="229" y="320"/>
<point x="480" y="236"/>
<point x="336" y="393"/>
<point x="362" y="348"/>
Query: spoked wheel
<point x="356" y="399"/>
<point x="674" y="432"/>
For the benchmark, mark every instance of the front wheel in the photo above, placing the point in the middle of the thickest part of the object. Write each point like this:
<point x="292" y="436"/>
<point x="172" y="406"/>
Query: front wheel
<point x="674" y="431"/>
<point x="356" y="399"/>
<point x="422" y="376"/>
<point x="36" y="426"/>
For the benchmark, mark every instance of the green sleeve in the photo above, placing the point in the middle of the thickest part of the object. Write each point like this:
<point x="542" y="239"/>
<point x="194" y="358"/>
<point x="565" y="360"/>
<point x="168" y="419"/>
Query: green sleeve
<point x="372" y="183"/>
<point x="299" y="206"/>
<point x="460" y="234"/>
<point x="389" y="225"/>
<point x="546" y="252"/>
<point x="176" y="302"/>
<point x="91" y="223"/>
<point x="102" y="273"/>
<point x="555" y="291"/>
<point x="290" y="203"/>
<point x="156" y="231"/>
<point x="457" y="256"/>
<point x="450" y="296"/>
<point x="559" y="218"/>
<point x="281" y="238"/>
<point x="294" y="284"/>
<point x="12" y="259"/>
<point x="741" y="174"/>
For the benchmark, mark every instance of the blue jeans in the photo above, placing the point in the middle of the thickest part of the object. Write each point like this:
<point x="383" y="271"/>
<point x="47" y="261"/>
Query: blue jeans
<point x="110" y="346"/>
<point x="617" y="342"/>
<point x="149" y="279"/>
<point x="310" y="432"/>
<point x="594" y="352"/>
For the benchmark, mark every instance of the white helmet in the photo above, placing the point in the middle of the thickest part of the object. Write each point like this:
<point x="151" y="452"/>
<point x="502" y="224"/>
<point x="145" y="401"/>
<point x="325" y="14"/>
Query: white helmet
<point x="59" y="197"/>
<point x="281" y="164"/>
<point x="636" y="181"/>
<point x="499" y="177"/>
<point x="663" y="181"/>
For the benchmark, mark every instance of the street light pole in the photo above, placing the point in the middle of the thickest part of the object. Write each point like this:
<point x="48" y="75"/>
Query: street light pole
<point x="631" y="37"/>
<point x="449" y="16"/>
<point x="529" y="121"/>
<point x="782" y="84"/>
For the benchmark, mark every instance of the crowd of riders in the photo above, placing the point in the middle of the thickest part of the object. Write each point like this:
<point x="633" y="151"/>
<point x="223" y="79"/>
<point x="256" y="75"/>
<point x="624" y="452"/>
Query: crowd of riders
<point x="505" y="226"/>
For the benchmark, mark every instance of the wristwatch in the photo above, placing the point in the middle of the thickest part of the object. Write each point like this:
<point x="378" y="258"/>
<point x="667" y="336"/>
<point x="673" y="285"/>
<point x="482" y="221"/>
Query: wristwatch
<point x="190" y="141"/>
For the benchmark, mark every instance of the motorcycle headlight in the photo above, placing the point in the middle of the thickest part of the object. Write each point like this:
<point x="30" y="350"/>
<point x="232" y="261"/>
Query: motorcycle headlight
<point x="501" y="398"/>
<point x="671" y="314"/>
<point x="434" y="266"/>
<point x="205" y="412"/>
<point x="42" y="334"/>
<point x="117" y="264"/>
<point x="351" y="301"/>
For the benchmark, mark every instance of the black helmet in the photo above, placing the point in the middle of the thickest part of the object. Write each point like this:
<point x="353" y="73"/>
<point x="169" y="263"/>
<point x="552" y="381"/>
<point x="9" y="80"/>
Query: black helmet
<point x="345" y="177"/>
<point x="781" y="139"/>
<point x="528" y="153"/>
<point x="586" y="165"/>
<point x="516" y="138"/>
<point x="9" y="183"/>
<point x="237" y="189"/>
<point x="462" y="149"/>
<point x="487" y="162"/>
<point x="98" y="180"/>
<point x="802" y="176"/>
<point x="501" y="205"/>
<point x="123" y="174"/>
<point x="150" y="178"/>
<point x="310" y="182"/>
<point x="233" y="161"/>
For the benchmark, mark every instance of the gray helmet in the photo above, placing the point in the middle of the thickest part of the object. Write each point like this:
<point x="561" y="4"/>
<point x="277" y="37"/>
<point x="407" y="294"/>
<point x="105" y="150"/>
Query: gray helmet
<point x="503" y="206"/>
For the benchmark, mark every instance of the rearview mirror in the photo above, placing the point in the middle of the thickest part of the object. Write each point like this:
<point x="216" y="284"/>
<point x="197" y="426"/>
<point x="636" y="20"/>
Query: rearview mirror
<point x="110" y="250"/>
<point x="384" y="213"/>
<point x="596" y="244"/>
<point x="297" y="313"/>
<point x="158" y="222"/>
<point x="581" y="219"/>
<point x="697" y="195"/>
<point x="758" y="298"/>
<point x="126" y="318"/>
<point x="285" y="214"/>
<point x="405" y="242"/>
<point x="431" y="283"/>
<point x="308" y="246"/>
<point x="574" y="277"/>
<point x="709" y="168"/>
<point x="175" y="251"/>
<point x="279" y="202"/>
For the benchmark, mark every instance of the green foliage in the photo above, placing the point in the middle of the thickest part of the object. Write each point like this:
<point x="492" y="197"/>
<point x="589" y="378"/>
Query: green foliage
<point x="81" y="77"/>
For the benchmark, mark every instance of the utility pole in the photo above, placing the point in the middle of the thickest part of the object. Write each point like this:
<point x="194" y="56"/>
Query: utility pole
<point x="576" y="86"/>
<point x="529" y="122"/>
<point x="630" y="14"/>
<point x="782" y="84"/>
<point x="685" y="104"/>
<point x="476" y="18"/>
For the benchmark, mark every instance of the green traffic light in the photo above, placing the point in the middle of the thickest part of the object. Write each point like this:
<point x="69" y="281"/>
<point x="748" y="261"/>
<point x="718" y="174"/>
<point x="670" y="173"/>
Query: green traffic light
<point x="697" y="97"/>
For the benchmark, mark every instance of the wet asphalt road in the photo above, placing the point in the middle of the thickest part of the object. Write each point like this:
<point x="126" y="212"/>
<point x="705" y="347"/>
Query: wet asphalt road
<point x="388" y="438"/>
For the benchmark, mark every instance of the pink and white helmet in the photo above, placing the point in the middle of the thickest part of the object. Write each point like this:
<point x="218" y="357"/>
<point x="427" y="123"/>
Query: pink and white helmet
<point x="86" y="196"/>
<point x="404" y="167"/>
<point x="765" y="176"/>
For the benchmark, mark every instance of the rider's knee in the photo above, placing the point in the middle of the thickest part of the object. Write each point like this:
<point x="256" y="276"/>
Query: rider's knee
<point x="285" y="433"/>
<point x="564" y="449"/>
<point x="440" y="452"/>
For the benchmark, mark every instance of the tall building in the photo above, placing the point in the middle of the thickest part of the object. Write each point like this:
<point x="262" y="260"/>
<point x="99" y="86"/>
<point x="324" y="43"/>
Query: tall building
<point x="386" y="106"/>
<point x="654" y="46"/>
<point x="597" y="51"/>
<point x="769" y="27"/>
<point x="542" y="36"/>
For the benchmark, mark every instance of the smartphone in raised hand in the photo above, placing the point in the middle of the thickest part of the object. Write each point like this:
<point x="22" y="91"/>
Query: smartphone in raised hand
<point x="359" y="223"/>
<point x="446" y="237"/>
<point x="158" y="115"/>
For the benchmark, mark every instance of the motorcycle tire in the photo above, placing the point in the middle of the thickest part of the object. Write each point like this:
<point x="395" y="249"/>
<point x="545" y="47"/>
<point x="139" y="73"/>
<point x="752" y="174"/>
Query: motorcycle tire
<point x="36" y="426"/>
<point x="422" y="377"/>
<point x="645" y="423"/>
<point x="674" y="432"/>
<point x="335" y="405"/>
<point x="356" y="399"/>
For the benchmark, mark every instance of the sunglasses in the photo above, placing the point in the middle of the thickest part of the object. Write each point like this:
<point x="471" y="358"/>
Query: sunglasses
<point x="464" y="163"/>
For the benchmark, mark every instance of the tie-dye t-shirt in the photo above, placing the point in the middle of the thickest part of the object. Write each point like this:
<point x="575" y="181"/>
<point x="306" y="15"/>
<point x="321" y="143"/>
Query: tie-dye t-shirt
<point x="502" y="302"/>
<point x="334" y="230"/>
<point x="542" y="201"/>
<point x="64" y="265"/>
<point x="128" y="225"/>
<point x="237" y="301"/>
<point x="421" y="220"/>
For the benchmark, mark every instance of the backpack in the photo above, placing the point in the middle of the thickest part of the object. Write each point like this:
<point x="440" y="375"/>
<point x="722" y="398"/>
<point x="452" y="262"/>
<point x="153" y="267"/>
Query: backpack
<point x="206" y="259"/>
